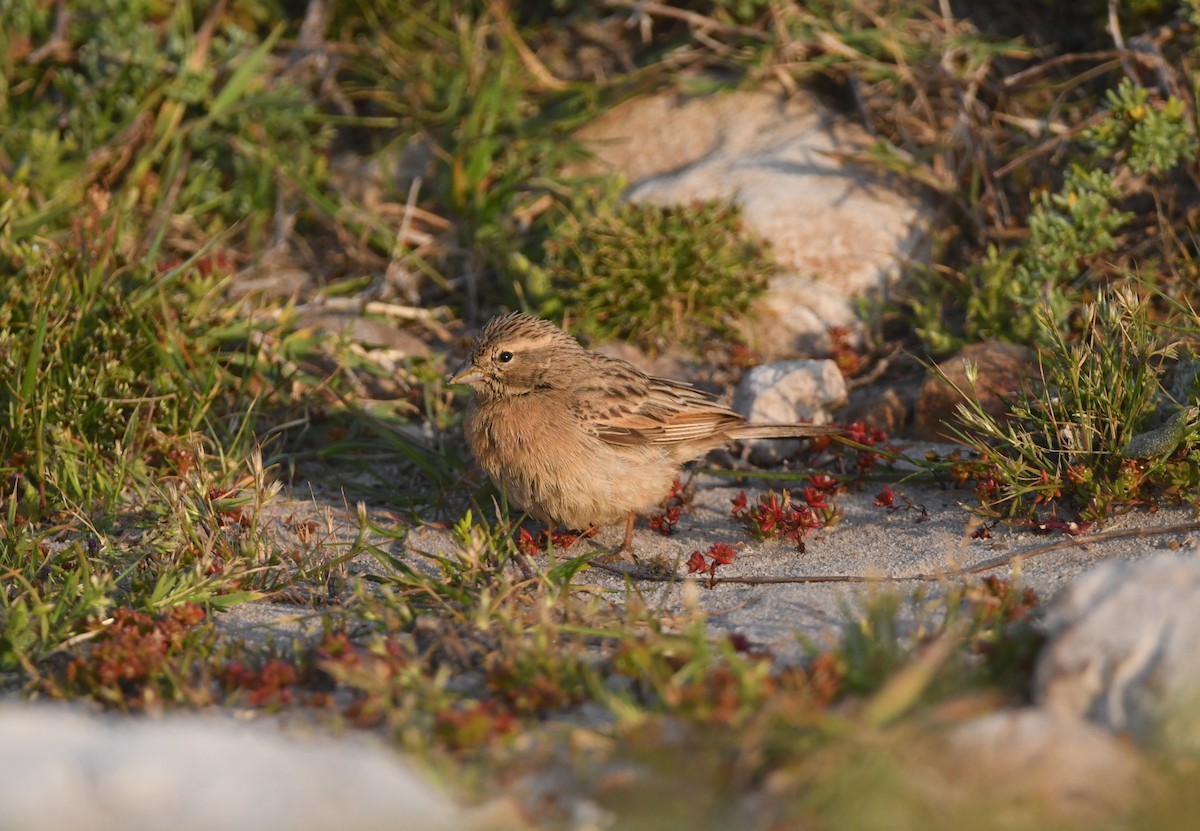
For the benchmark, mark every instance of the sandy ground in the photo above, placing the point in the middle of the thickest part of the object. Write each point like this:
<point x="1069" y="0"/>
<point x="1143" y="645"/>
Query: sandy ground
<point x="868" y="542"/>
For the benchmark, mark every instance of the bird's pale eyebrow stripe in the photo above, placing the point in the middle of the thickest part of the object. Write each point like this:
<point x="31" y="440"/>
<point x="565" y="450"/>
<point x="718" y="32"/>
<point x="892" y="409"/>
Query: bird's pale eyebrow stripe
<point x="528" y="343"/>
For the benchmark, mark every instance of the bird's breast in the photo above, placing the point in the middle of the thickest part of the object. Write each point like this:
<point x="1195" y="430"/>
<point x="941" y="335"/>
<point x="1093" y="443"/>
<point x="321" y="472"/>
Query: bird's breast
<point x="544" y="460"/>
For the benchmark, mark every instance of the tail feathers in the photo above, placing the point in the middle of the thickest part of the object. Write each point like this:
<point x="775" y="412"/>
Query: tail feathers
<point x="781" y="431"/>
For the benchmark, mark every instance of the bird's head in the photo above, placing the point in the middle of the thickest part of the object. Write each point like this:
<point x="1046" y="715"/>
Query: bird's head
<point x="516" y="354"/>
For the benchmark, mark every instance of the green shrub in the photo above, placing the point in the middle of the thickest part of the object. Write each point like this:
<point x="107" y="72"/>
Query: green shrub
<point x="1028" y="292"/>
<point x="654" y="275"/>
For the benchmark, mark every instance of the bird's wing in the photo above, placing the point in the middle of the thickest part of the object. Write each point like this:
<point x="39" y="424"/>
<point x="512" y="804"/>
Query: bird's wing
<point x="624" y="407"/>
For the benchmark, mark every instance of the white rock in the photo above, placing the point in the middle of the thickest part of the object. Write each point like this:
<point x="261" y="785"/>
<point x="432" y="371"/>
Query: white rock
<point x="795" y="315"/>
<point x="1122" y="651"/>
<point x="785" y="392"/>
<point x="64" y="769"/>
<point x="782" y="159"/>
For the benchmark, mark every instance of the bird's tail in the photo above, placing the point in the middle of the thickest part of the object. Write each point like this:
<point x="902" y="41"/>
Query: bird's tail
<point x="781" y="431"/>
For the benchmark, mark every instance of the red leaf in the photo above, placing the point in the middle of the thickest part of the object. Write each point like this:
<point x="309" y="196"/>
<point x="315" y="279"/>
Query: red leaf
<point x="815" y="498"/>
<point x="722" y="553"/>
<point x="824" y="482"/>
<point x="526" y="543"/>
<point x="739" y="504"/>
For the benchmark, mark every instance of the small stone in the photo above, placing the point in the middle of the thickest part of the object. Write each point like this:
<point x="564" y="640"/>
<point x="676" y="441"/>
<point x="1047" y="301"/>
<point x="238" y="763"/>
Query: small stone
<point x="786" y="392"/>
<point x="883" y="407"/>
<point x="364" y="330"/>
<point x="1122" y="651"/>
<point x="276" y="276"/>
<point x="1003" y="369"/>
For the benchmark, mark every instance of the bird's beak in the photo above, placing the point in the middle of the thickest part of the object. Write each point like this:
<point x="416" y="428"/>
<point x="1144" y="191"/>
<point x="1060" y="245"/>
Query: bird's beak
<point x="465" y="374"/>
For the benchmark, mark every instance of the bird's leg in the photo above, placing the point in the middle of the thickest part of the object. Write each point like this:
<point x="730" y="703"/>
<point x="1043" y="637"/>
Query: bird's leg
<point x="627" y="545"/>
<point x="524" y="565"/>
<point x="625" y="550"/>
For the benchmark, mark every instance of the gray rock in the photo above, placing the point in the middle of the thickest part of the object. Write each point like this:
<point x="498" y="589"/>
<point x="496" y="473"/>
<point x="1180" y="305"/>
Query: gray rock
<point x="62" y="768"/>
<point x="1122" y="651"/>
<point x="784" y="392"/>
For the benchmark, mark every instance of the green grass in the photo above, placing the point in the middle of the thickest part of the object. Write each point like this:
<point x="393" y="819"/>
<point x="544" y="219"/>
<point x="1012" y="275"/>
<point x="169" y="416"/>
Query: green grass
<point x="1097" y="432"/>
<point x="415" y="157"/>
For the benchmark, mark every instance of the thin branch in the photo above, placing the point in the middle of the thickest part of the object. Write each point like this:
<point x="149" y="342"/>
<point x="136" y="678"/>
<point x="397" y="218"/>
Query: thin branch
<point x="1050" y="145"/>
<point x="694" y="19"/>
<point x="544" y="77"/>
<point x="396" y="274"/>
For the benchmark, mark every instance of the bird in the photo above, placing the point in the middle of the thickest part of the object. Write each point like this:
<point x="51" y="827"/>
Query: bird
<point x="581" y="439"/>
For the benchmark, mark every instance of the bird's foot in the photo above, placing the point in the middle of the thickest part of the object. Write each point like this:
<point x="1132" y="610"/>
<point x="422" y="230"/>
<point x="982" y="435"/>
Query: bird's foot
<point x="620" y="554"/>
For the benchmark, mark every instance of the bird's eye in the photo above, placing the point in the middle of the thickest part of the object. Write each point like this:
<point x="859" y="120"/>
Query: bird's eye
<point x="505" y="357"/>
